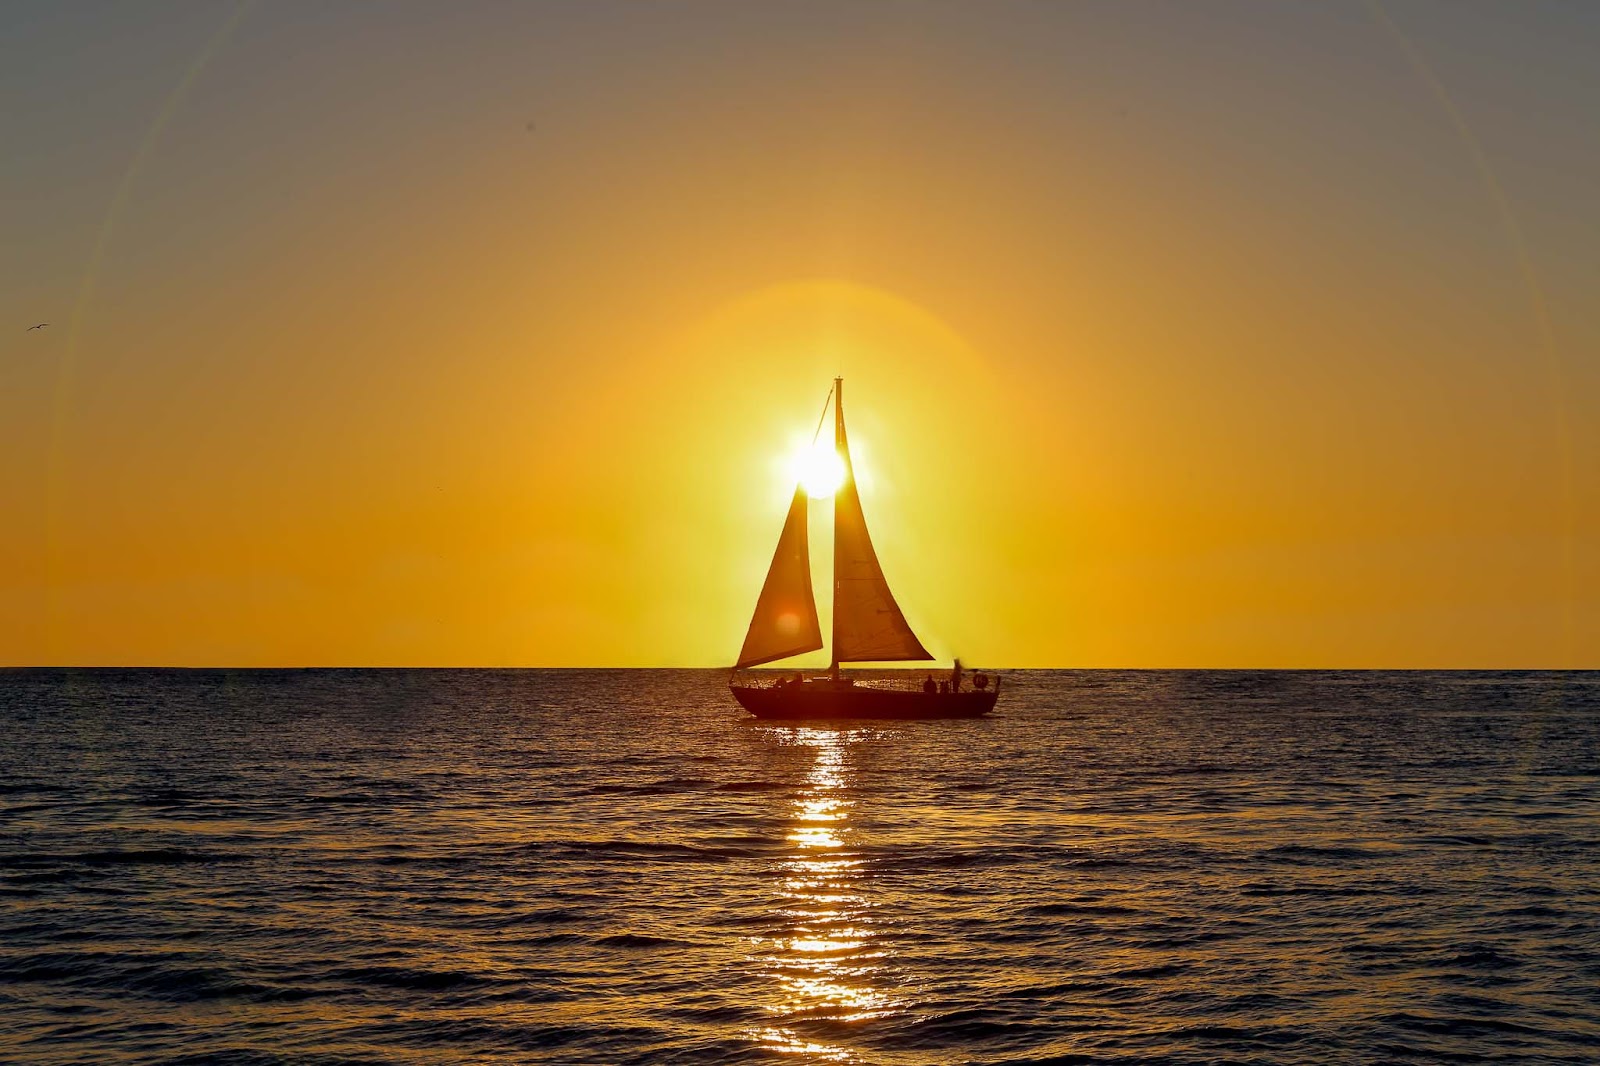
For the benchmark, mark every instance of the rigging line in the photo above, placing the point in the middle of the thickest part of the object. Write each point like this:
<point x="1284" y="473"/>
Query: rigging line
<point x="823" y="417"/>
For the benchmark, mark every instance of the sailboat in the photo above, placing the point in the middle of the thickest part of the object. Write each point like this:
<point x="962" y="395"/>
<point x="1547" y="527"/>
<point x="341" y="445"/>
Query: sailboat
<point x="868" y="625"/>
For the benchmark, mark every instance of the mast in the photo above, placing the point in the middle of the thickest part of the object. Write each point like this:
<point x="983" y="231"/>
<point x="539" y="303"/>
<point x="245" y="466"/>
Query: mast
<point x="839" y="447"/>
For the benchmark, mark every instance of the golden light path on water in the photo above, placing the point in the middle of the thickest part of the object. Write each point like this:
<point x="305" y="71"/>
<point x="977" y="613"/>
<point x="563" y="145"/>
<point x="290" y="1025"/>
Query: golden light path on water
<point x="828" y="962"/>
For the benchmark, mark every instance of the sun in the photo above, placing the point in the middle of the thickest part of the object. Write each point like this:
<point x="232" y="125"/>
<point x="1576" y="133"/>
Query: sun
<point x="820" y="471"/>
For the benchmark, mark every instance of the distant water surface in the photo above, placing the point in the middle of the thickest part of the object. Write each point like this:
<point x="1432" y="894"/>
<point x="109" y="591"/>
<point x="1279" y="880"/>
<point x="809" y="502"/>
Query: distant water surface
<point x="620" y="867"/>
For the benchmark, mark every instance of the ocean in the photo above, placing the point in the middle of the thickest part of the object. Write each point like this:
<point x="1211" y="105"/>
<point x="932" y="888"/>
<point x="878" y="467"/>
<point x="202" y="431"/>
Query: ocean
<point x="553" y="866"/>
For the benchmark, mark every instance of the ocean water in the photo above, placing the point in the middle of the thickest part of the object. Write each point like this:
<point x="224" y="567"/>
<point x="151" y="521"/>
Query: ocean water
<point x="620" y="867"/>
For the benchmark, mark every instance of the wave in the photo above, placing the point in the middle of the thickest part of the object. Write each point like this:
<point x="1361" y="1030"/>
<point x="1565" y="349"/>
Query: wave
<point x="632" y="851"/>
<point x="641" y="941"/>
<point x="410" y="978"/>
<point x="122" y="857"/>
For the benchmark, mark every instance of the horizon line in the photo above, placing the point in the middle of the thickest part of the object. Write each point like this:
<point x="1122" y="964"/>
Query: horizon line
<point x="935" y="669"/>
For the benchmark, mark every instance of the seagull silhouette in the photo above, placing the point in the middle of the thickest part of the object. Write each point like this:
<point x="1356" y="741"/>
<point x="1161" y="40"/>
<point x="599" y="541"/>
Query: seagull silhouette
<point x="41" y="325"/>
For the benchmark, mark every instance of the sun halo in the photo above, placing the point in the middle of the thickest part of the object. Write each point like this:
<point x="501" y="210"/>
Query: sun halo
<point x="820" y="471"/>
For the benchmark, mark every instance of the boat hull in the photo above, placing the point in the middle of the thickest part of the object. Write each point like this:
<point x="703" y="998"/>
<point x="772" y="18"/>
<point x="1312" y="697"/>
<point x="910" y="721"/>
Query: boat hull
<point x="816" y="702"/>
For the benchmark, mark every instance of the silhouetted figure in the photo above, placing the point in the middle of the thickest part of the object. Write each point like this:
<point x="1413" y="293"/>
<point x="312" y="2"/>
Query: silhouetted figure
<point x="944" y="686"/>
<point x="955" y="676"/>
<point x="929" y="687"/>
<point x="980" y="680"/>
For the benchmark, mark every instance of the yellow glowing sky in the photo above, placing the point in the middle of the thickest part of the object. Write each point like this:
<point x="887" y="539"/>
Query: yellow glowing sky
<point x="1262" y="336"/>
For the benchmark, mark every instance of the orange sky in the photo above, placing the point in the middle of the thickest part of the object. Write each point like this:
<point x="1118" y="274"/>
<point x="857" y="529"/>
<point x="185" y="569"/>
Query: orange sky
<point x="1264" y="337"/>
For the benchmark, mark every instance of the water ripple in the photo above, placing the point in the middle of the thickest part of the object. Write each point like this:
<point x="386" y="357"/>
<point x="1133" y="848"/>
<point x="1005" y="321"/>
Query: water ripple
<point x="578" y="867"/>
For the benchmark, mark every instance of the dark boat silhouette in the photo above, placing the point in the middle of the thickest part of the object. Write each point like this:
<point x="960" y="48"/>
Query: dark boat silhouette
<point x="868" y="625"/>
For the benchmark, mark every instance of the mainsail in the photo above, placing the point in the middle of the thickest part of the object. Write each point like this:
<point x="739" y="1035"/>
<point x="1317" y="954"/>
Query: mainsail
<point x="785" y="621"/>
<point x="867" y="623"/>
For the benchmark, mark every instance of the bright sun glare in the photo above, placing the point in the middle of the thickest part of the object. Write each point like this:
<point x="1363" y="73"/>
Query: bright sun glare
<point x="821" y="471"/>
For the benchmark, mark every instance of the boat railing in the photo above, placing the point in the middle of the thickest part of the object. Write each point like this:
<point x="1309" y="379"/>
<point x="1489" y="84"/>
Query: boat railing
<point x="882" y="680"/>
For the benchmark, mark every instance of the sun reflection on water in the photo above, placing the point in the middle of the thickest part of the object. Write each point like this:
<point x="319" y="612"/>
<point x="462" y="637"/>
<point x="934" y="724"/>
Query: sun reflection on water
<point x="825" y="949"/>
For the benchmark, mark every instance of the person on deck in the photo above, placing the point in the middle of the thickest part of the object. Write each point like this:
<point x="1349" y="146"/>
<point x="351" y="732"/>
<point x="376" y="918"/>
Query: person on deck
<point x="928" y="686"/>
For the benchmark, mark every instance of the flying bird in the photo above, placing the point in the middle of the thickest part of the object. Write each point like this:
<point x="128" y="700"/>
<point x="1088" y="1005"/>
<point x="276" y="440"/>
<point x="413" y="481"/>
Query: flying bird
<point x="41" y="325"/>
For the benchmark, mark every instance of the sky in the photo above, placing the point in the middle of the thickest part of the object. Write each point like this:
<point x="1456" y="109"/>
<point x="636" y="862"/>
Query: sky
<point x="1237" y="334"/>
